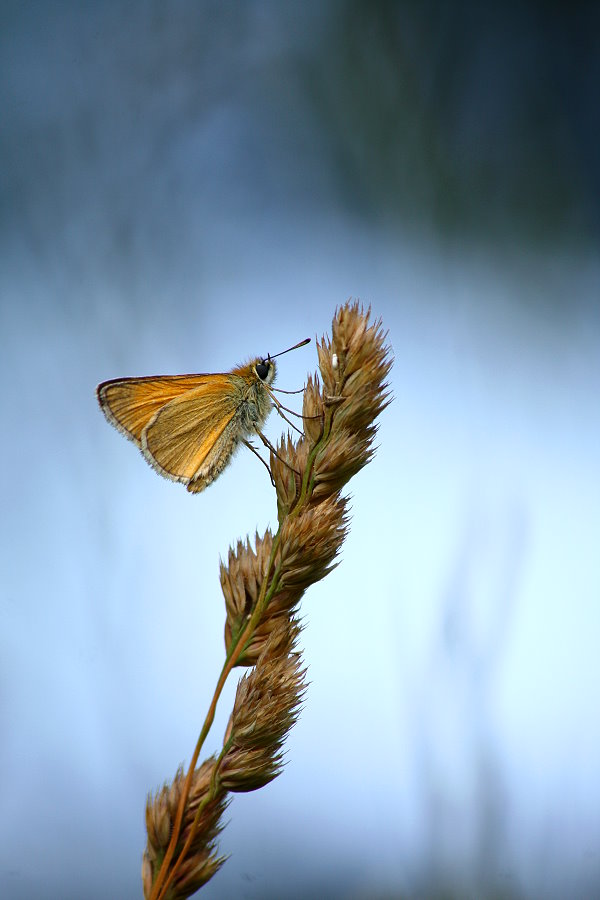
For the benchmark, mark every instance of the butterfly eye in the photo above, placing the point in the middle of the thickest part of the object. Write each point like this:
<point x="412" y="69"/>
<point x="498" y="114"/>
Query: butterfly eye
<point x="262" y="369"/>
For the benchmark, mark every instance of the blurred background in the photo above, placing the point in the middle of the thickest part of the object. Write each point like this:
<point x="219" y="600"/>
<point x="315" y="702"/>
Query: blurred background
<point x="186" y="185"/>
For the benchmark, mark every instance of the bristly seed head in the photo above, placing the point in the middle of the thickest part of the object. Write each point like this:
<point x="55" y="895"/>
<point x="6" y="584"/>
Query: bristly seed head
<point x="263" y="585"/>
<point x="202" y="861"/>
<point x="267" y="704"/>
<point x="339" y="426"/>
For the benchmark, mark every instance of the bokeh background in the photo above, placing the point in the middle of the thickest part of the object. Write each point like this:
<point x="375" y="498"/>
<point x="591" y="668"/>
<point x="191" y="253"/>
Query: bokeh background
<point x="184" y="185"/>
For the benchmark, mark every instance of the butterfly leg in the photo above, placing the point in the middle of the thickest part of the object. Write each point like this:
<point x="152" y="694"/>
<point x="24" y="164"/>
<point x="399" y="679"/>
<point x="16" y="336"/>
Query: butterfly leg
<point x="283" y="409"/>
<point x="270" y="447"/>
<point x="256" y="453"/>
<point x="279" y="407"/>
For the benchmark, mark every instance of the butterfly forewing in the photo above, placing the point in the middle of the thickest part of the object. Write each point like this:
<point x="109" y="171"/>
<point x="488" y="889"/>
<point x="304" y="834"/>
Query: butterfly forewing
<point x="130" y="403"/>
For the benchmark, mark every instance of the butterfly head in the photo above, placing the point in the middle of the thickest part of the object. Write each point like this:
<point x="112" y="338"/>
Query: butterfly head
<point x="265" y="369"/>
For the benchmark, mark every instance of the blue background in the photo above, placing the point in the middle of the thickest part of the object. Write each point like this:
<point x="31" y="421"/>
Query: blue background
<point x="186" y="185"/>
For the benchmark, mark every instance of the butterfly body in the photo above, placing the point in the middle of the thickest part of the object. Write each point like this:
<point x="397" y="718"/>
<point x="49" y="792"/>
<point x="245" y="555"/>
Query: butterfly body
<point x="188" y="426"/>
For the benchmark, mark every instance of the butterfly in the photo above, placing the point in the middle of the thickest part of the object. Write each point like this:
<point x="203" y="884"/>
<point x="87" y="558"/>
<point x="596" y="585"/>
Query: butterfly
<point x="189" y="426"/>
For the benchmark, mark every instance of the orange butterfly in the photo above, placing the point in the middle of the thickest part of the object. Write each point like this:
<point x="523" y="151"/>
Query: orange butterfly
<point x="188" y="426"/>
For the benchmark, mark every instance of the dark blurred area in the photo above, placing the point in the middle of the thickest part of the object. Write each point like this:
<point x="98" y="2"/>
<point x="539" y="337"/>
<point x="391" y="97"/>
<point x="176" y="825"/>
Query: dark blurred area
<point x="476" y="122"/>
<point x="474" y="119"/>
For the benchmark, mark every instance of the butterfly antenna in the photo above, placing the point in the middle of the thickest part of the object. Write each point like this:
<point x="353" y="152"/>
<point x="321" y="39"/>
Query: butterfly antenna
<point x="295" y="347"/>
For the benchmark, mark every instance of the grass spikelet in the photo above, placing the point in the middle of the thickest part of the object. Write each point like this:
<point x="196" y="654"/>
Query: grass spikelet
<point x="267" y="704"/>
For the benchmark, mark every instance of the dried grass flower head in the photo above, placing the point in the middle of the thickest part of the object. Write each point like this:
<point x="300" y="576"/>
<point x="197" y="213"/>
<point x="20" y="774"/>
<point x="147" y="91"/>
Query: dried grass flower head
<point x="309" y="474"/>
<point x="262" y="584"/>
<point x="202" y="860"/>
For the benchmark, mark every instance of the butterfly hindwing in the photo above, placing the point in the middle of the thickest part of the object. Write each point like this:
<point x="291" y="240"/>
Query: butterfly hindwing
<point x="183" y="434"/>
